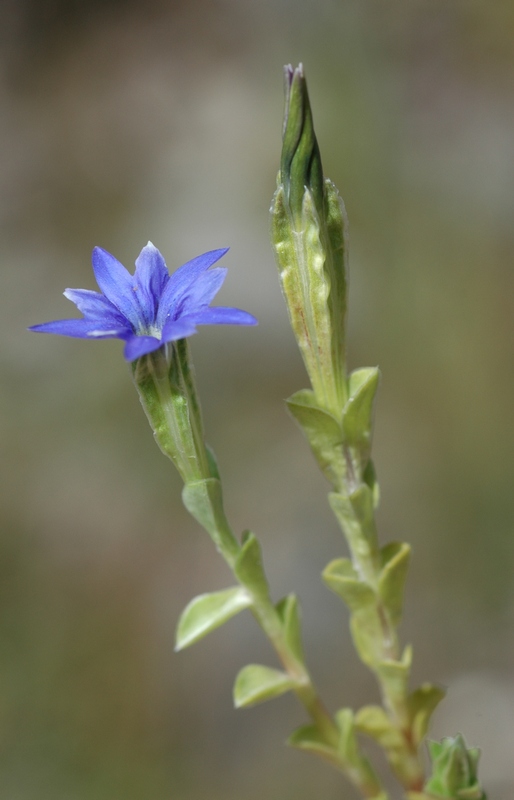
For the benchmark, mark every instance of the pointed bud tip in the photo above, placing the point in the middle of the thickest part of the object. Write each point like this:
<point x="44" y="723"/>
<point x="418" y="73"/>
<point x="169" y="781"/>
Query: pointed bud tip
<point x="290" y="72"/>
<point x="300" y="166"/>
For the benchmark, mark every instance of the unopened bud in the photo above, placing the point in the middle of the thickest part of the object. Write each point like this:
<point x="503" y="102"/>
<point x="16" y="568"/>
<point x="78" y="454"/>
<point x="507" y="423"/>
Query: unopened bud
<point x="309" y="235"/>
<point x="454" y="770"/>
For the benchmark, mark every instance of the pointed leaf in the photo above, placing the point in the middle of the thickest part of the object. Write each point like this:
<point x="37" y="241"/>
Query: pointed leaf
<point x="248" y="567"/>
<point x="207" y="612"/>
<point x="351" y="755"/>
<point x="308" y="738"/>
<point x="435" y="749"/>
<point x="395" y="676"/>
<point x="422" y="703"/>
<point x="395" y="558"/>
<point x="204" y="501"/>
<point x="366" y="629"/>
<point x="322" y="431"/>
<point x="358" y="411"/>
<point x="255" y="684"/>
<point x="347" y="744"/>
<point x="369" y="477"/>
<point x="363" y="506"/>
<point x="374" y="722"/>
<point x="342" y="578"/>
<point x="289" y="612"/>
<point x="212" y="461"/>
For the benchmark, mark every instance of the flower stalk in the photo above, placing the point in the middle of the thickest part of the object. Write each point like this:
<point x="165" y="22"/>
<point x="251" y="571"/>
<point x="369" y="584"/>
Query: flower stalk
<point x="310" y="238"/>
<point x="165" y="386"/>
<point x="165" y="383"/>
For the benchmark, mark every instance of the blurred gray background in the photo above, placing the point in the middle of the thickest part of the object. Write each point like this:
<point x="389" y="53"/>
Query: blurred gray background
<point x="128" y="121"/>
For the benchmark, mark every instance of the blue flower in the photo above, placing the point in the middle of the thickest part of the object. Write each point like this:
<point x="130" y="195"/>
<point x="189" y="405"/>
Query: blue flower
<point x="151" y="307"/>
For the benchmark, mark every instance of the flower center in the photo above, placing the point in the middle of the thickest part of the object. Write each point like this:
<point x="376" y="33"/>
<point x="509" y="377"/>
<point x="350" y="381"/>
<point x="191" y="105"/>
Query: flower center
<point x="154" y="331"/>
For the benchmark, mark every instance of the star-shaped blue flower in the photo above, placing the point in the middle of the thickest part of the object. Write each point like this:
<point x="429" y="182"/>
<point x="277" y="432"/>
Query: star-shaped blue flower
<point x="151" y="307"/>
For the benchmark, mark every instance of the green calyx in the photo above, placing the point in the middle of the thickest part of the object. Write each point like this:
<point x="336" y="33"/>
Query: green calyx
<point x="165" y="384"/>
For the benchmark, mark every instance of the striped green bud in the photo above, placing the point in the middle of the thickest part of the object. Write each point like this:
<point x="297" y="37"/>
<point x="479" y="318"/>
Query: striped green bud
<point x="454" y="770"/>
<point x="309" y="236"/>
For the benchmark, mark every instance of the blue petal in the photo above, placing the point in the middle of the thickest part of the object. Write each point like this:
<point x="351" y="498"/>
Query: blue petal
<point x="95" y="306"/>
<point x="82" y="329"/>
<point x="220" y="315"/>
<point x="138" y="346"/>
<point x="178" y="329"/>
<point x="182" y="279"/>
<point x="200" y="294"/>
<point x="117" y="284"/>
<point x="150" y="278"/>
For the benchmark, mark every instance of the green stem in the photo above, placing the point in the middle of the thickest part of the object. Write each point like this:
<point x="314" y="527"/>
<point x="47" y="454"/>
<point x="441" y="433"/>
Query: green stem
<point x="268" y="619"/>
<point x="365" y="551"/>
<point x="166" y="387"/>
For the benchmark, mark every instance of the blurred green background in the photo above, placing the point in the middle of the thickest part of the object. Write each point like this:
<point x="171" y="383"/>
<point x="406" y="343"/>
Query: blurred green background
<point x="123" y="122"/>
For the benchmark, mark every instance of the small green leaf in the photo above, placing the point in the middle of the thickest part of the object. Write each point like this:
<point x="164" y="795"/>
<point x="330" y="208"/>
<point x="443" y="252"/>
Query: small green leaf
<point x="358" y="411"/>
<point x="212" y="462"/>
<point x="366" y="629"/>
<point x="422" y="704"/>
<point x="204" y="501"/>
<point x="248" y="567"/>
<point x="394" y="558"/>
<point x="352" y="757"/>
<point x="289" y="611"/>
<point x="374" y="722"/>
<point x="322" y="431"/>
<point x="308" y="738"/>
<point x="342" y="578"/>
<point x="369" y="477"/>
<point x="255" y="684"/>
<point x="207" y="612"/>
<point x="347" y="743"/>
<point x="362" y="503"/>
<point x="395" y="676"/>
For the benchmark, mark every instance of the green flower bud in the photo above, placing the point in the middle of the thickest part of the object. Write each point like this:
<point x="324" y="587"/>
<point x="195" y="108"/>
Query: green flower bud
<point x="309" y="235"/>
<point x="454" y="770"/>
<point x="300" y="163"/>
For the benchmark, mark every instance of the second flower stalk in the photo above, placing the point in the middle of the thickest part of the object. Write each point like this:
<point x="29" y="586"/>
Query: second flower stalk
<point x="310" y="238"/>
